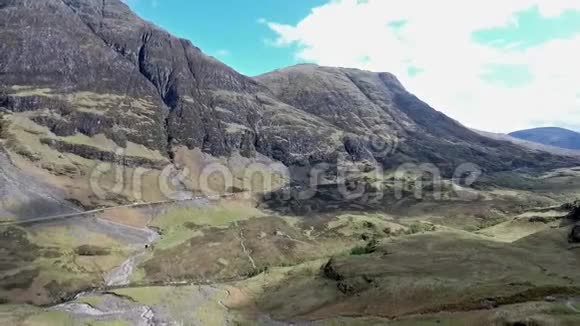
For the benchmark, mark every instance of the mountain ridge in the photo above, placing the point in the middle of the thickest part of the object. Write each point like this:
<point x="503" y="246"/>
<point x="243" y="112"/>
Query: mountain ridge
<point x="402" y="116"/>
<point x="552" y="136"/>
<point x="81" y="80"/>
<point x="529" y="144"/>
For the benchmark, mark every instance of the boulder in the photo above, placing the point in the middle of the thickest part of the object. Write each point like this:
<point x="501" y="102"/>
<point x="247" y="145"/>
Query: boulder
<point x="574" y="236"/>
<point x="574" y="210"/>
<point x="329" y="271"/>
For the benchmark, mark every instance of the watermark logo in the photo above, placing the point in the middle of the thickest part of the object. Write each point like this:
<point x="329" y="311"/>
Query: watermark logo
<point x="351" y="179"/>
<point x="381" y="145"/>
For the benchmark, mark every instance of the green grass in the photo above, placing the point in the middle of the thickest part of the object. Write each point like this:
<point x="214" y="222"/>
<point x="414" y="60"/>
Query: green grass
<point x="101" y="142"/>
<point x="139" y="274"/>
<point x="376" y="225"/>
<point x="179" y="224"/>
<point x="146" y="295"/>
<point x="50" y="318"/>
<point x="369" y="248"/>
<point x="91" y="300"/>
<point x="422" y="321"/>
<point x="420" y="228"/>
<point x="7" y="219"/>
<point x="55" y="261"/>
<point x="108" y="323"/>
<point x="544" y="219"/>
<point x="491" y="221"/>
<point x="25" y="91"/>
<point x="177" y="302"/>
<point x="220" y="215"/>
<point x="562" y="309"/>
<point x="448" y="270"/>
<point x="175" y="237"/>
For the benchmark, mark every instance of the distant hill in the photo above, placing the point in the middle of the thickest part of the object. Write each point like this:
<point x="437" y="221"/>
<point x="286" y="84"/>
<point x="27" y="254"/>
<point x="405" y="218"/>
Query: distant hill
<point x="529" y="144"/>
<point x="558" y="137"/>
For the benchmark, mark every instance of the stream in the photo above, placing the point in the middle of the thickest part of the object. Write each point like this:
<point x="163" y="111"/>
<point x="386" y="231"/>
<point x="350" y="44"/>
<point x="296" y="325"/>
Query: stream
<point x="122" y="274"/>
<point x="106" y="306"/>
<point x="112" y="306"/>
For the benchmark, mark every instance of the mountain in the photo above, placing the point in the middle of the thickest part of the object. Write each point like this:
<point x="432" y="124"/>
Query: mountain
<point x="101" y="109"/>
<point x="553" y="136"/>
<point x="87" y="83"/>
<point x="529" y="144"/>
<point x="376" y="106"/>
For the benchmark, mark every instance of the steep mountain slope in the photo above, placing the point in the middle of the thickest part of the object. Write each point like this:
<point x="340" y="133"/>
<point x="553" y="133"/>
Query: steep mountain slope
<point x="375" y="105"/>
<point x="192" y="99"/>
<point x="558" y="137"/>
<point x="87" y="83"/>
<point x="23" y="196"/>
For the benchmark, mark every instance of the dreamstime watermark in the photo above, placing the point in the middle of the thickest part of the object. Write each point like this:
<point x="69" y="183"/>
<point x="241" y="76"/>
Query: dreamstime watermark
<point x="380" y="145"/>
<point x="352" y="180"/>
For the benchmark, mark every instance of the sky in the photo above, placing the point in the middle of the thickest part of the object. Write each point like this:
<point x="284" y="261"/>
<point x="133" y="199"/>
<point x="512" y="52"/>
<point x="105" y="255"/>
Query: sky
<point x="498" y="66"/>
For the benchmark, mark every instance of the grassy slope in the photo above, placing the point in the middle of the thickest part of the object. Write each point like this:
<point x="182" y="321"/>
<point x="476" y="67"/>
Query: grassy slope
<point x="442" y="273"/>
<point x="44" y="263"/>
<point x="436" y="274"/>
<point x="429" y="273"/>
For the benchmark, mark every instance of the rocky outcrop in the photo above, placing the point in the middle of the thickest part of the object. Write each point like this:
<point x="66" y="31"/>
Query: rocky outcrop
<point x="330" y="271"/>
<point x="574" y="236"/>
<point x="346" y="285"/>
<point x="89" y="152"/>
<point x="574" y="209"/>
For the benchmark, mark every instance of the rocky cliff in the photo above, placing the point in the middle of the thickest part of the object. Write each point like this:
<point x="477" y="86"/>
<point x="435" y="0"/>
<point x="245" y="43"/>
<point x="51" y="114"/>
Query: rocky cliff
<point x="367" y="106"/>
<point x="84" y="82"/>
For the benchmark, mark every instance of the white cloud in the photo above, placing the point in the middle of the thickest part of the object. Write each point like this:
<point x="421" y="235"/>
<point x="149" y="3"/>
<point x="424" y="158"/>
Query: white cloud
<point x="437" y="38"/>
<point x="222" y="53"/>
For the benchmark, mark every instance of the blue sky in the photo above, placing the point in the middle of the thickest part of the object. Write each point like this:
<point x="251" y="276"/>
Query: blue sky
<point x="531" y="29"/>
<point x="498" y="66"/>
<point x="230" y="30"/>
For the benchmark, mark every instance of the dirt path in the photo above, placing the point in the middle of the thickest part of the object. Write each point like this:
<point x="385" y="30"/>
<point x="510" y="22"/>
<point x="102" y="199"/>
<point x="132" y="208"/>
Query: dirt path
<point x="76" y="213"/>
<point x="244" y="249"/>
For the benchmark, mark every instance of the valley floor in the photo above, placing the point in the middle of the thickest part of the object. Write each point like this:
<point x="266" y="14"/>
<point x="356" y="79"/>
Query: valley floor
<point x="501" y="259"/>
